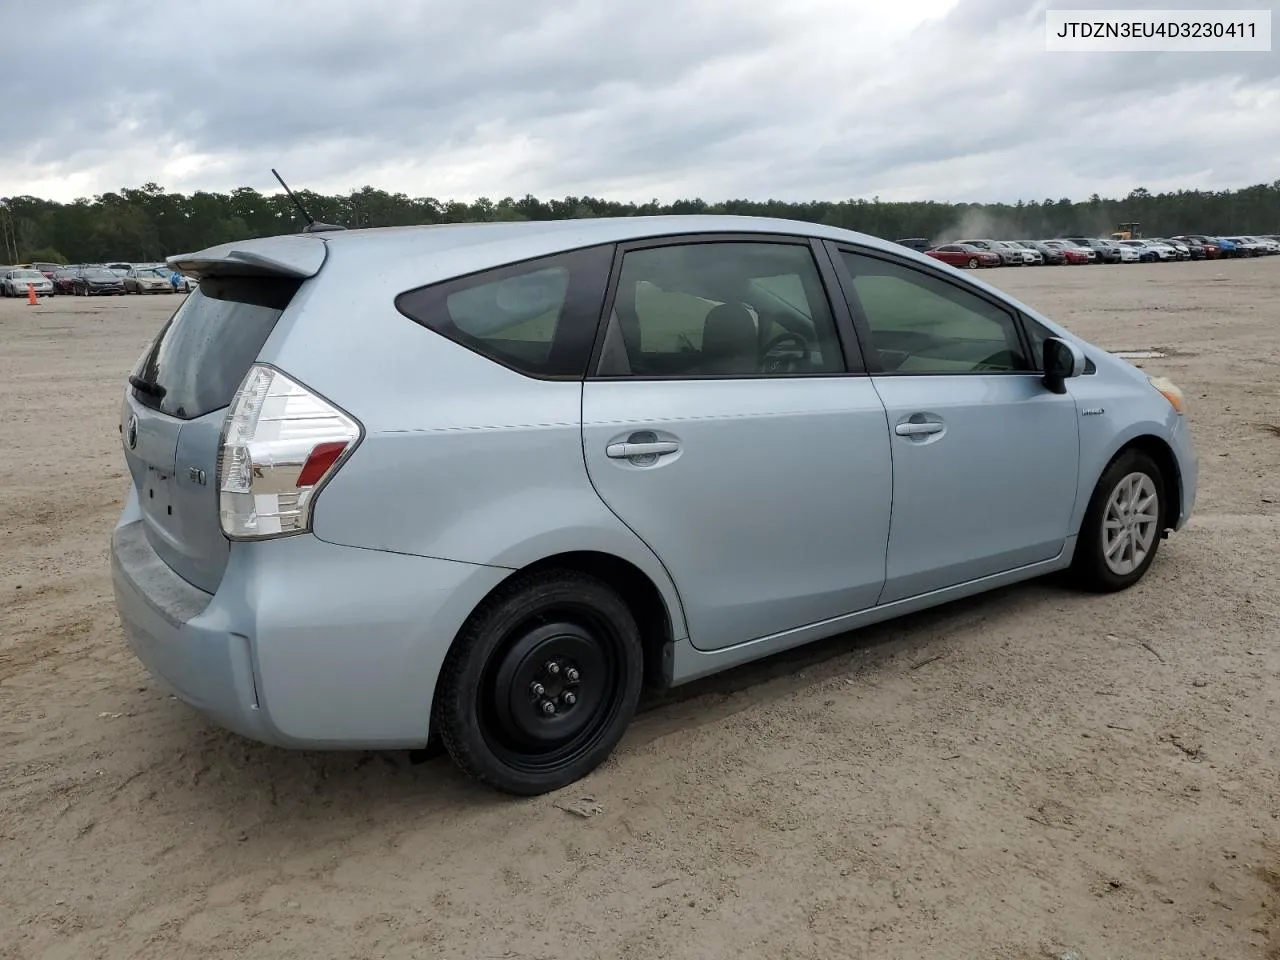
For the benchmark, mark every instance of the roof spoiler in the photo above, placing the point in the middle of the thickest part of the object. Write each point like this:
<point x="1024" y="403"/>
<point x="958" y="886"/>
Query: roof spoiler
<point x="285" y="256"/>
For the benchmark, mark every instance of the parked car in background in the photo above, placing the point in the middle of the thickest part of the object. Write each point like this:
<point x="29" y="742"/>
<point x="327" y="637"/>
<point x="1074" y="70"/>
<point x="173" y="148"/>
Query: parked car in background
<point x="119" y="269"/>
<point x="918" y="244"/>
<point x="1115" y="251"/>
<point x="1247" y="246"/>
<point x="1071" y="253"/>
<point x="1228" y="247"/>
<point x="14" y="282"/>
<point x="1026" y="257"/>
<point x="1092" y="253"/>
<point x="1151" y="252"/>
<point x="1008" y="257"/>
<point x="63" y="279"/>
<point x="965" y="255"/>
<point x="97" y="281"/>
<point x="1049" y="255"/>
<point x="1104" y="250"/>
<point x="285" y="574"/>
<point x="1197" y="249"/>
<point x="1182" y="250"/>
<point x="1269" y="246"/>
<point x="48" y="269"/>
<point x="148" y="280"/>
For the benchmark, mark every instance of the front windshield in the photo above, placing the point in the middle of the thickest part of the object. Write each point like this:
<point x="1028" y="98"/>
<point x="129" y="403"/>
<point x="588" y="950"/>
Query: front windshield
<point x="99" y="274"/>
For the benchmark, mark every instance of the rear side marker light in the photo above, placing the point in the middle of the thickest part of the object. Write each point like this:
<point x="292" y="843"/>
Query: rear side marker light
<point x="280" y="443"/>
<point x="324" y="456"/>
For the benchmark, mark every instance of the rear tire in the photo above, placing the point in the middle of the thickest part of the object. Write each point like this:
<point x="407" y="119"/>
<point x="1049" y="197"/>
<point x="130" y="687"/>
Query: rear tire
<point x="1123" y="525"/>
<point x="541" y="682"/>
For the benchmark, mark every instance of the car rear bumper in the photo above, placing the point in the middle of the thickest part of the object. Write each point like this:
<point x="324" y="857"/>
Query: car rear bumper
<point x="305" y="644"/>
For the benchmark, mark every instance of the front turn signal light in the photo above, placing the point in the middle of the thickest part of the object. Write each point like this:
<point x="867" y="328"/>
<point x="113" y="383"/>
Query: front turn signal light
<point x="1169" y="390"/>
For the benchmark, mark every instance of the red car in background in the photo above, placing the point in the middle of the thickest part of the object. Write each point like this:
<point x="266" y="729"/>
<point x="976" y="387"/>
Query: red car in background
<point x="1073" y="253"/>
<point x="64" y="279"/>
<point x="964" y="255"/>
<point x="1212" y="250"/>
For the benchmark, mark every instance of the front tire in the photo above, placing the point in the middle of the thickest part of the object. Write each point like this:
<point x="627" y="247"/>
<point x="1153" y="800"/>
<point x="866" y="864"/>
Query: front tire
<point x="1123" y="526"/>
<point x="973" y="263"/>
<point x="541" y="682"/>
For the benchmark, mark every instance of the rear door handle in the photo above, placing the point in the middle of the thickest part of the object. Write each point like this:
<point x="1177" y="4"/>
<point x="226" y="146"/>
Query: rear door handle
<point x="917" y="429"/>
<point x="625" y="451"/>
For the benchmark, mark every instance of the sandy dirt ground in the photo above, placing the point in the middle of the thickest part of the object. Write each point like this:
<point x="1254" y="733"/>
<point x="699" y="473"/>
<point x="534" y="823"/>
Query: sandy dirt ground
<point x="1017" y="776"/>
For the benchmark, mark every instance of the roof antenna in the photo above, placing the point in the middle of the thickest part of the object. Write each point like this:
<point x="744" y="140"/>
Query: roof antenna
<point x="312" y="226"/>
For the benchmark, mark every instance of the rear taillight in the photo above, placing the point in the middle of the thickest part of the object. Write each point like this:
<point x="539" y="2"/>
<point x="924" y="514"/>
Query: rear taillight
<point x="280" y="442"/>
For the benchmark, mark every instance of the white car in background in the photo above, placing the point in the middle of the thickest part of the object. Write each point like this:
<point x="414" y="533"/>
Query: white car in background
<point x="1128" y="254"/>
<point x="1029" y="257"/>
<point x="1266" y="243"/>
<point x="13" y="282"/>
<point x="1151" y="250"/>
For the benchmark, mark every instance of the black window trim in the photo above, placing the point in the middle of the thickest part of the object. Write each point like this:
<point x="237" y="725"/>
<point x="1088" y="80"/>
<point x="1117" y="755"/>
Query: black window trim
<point x="504" y="269"/>
<point x="850" y="343"/>
<point x="1025" y="320"/>
<point x="863" y="327"/>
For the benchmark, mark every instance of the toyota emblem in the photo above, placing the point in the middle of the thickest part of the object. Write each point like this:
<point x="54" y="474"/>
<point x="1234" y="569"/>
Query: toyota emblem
<point x="131" y="435"/>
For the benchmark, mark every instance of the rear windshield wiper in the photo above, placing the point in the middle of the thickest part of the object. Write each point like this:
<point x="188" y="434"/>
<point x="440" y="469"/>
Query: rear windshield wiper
<point x="147" y="386"/>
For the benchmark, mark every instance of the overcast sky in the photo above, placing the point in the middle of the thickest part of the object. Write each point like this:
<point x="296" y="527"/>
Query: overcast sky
<point x="625" y="99"/>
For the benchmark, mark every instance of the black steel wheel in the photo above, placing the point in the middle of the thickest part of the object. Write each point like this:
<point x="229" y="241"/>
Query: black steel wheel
<point x="541" y="682"/>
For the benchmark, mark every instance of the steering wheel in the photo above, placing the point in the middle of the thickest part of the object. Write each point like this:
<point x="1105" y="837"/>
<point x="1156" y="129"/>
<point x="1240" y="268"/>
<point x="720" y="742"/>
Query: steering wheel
<point x="786" y="353"/>
<point x="1001" y="361"/>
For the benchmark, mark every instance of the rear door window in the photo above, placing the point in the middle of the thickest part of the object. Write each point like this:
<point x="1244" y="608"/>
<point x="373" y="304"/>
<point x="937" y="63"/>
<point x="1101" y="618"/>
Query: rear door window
<point x="200" y="356"/>
<point x="729" y="308"/>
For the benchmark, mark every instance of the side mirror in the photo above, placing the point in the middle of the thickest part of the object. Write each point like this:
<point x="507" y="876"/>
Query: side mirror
<point x="1062" y="360"/>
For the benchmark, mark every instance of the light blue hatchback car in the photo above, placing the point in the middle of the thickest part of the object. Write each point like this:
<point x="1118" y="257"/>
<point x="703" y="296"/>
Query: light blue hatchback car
<point x="481" y="481"/>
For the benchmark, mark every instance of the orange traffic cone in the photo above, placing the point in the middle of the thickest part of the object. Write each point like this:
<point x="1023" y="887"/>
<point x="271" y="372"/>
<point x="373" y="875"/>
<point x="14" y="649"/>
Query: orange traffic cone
<point x="32" y="299"/>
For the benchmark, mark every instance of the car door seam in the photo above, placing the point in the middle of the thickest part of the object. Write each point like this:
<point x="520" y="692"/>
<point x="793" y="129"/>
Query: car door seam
<point x="586" y="469"/>
<point x="893" y="475"/>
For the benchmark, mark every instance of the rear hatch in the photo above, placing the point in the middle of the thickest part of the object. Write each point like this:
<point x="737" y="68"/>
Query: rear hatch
<point x="174" y="408"/>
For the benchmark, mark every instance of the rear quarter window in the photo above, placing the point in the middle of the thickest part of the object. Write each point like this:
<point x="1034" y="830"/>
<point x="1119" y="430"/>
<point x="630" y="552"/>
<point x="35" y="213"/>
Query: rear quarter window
<point x="200" y="356"/>
<point x="538" y="317"/>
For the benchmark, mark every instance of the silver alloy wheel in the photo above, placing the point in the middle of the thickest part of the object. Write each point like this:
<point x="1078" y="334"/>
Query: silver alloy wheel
<point x="1130" y="523"/>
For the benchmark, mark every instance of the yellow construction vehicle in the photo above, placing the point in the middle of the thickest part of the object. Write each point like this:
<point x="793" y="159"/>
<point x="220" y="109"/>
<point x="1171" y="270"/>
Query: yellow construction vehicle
<point x="1127" y="231"/>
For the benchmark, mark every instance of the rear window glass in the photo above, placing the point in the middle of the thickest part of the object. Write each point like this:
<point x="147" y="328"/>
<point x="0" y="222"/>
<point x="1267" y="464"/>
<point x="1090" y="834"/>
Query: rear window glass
<point x="538" y="317"/>
<point x="204" y="351"/>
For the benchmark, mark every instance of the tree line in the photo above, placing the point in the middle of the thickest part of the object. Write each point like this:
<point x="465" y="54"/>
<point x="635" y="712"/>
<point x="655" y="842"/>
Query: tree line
<point x="149" y="223"/>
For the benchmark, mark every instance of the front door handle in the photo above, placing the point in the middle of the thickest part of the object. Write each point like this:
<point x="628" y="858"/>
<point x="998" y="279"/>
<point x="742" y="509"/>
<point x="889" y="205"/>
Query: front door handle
<point x="917" y="429"/>
<point x="625" y="451"/>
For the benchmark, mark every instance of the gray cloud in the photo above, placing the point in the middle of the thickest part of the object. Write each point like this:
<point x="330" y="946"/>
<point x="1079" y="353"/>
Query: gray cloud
<point x="813" y="99"/>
